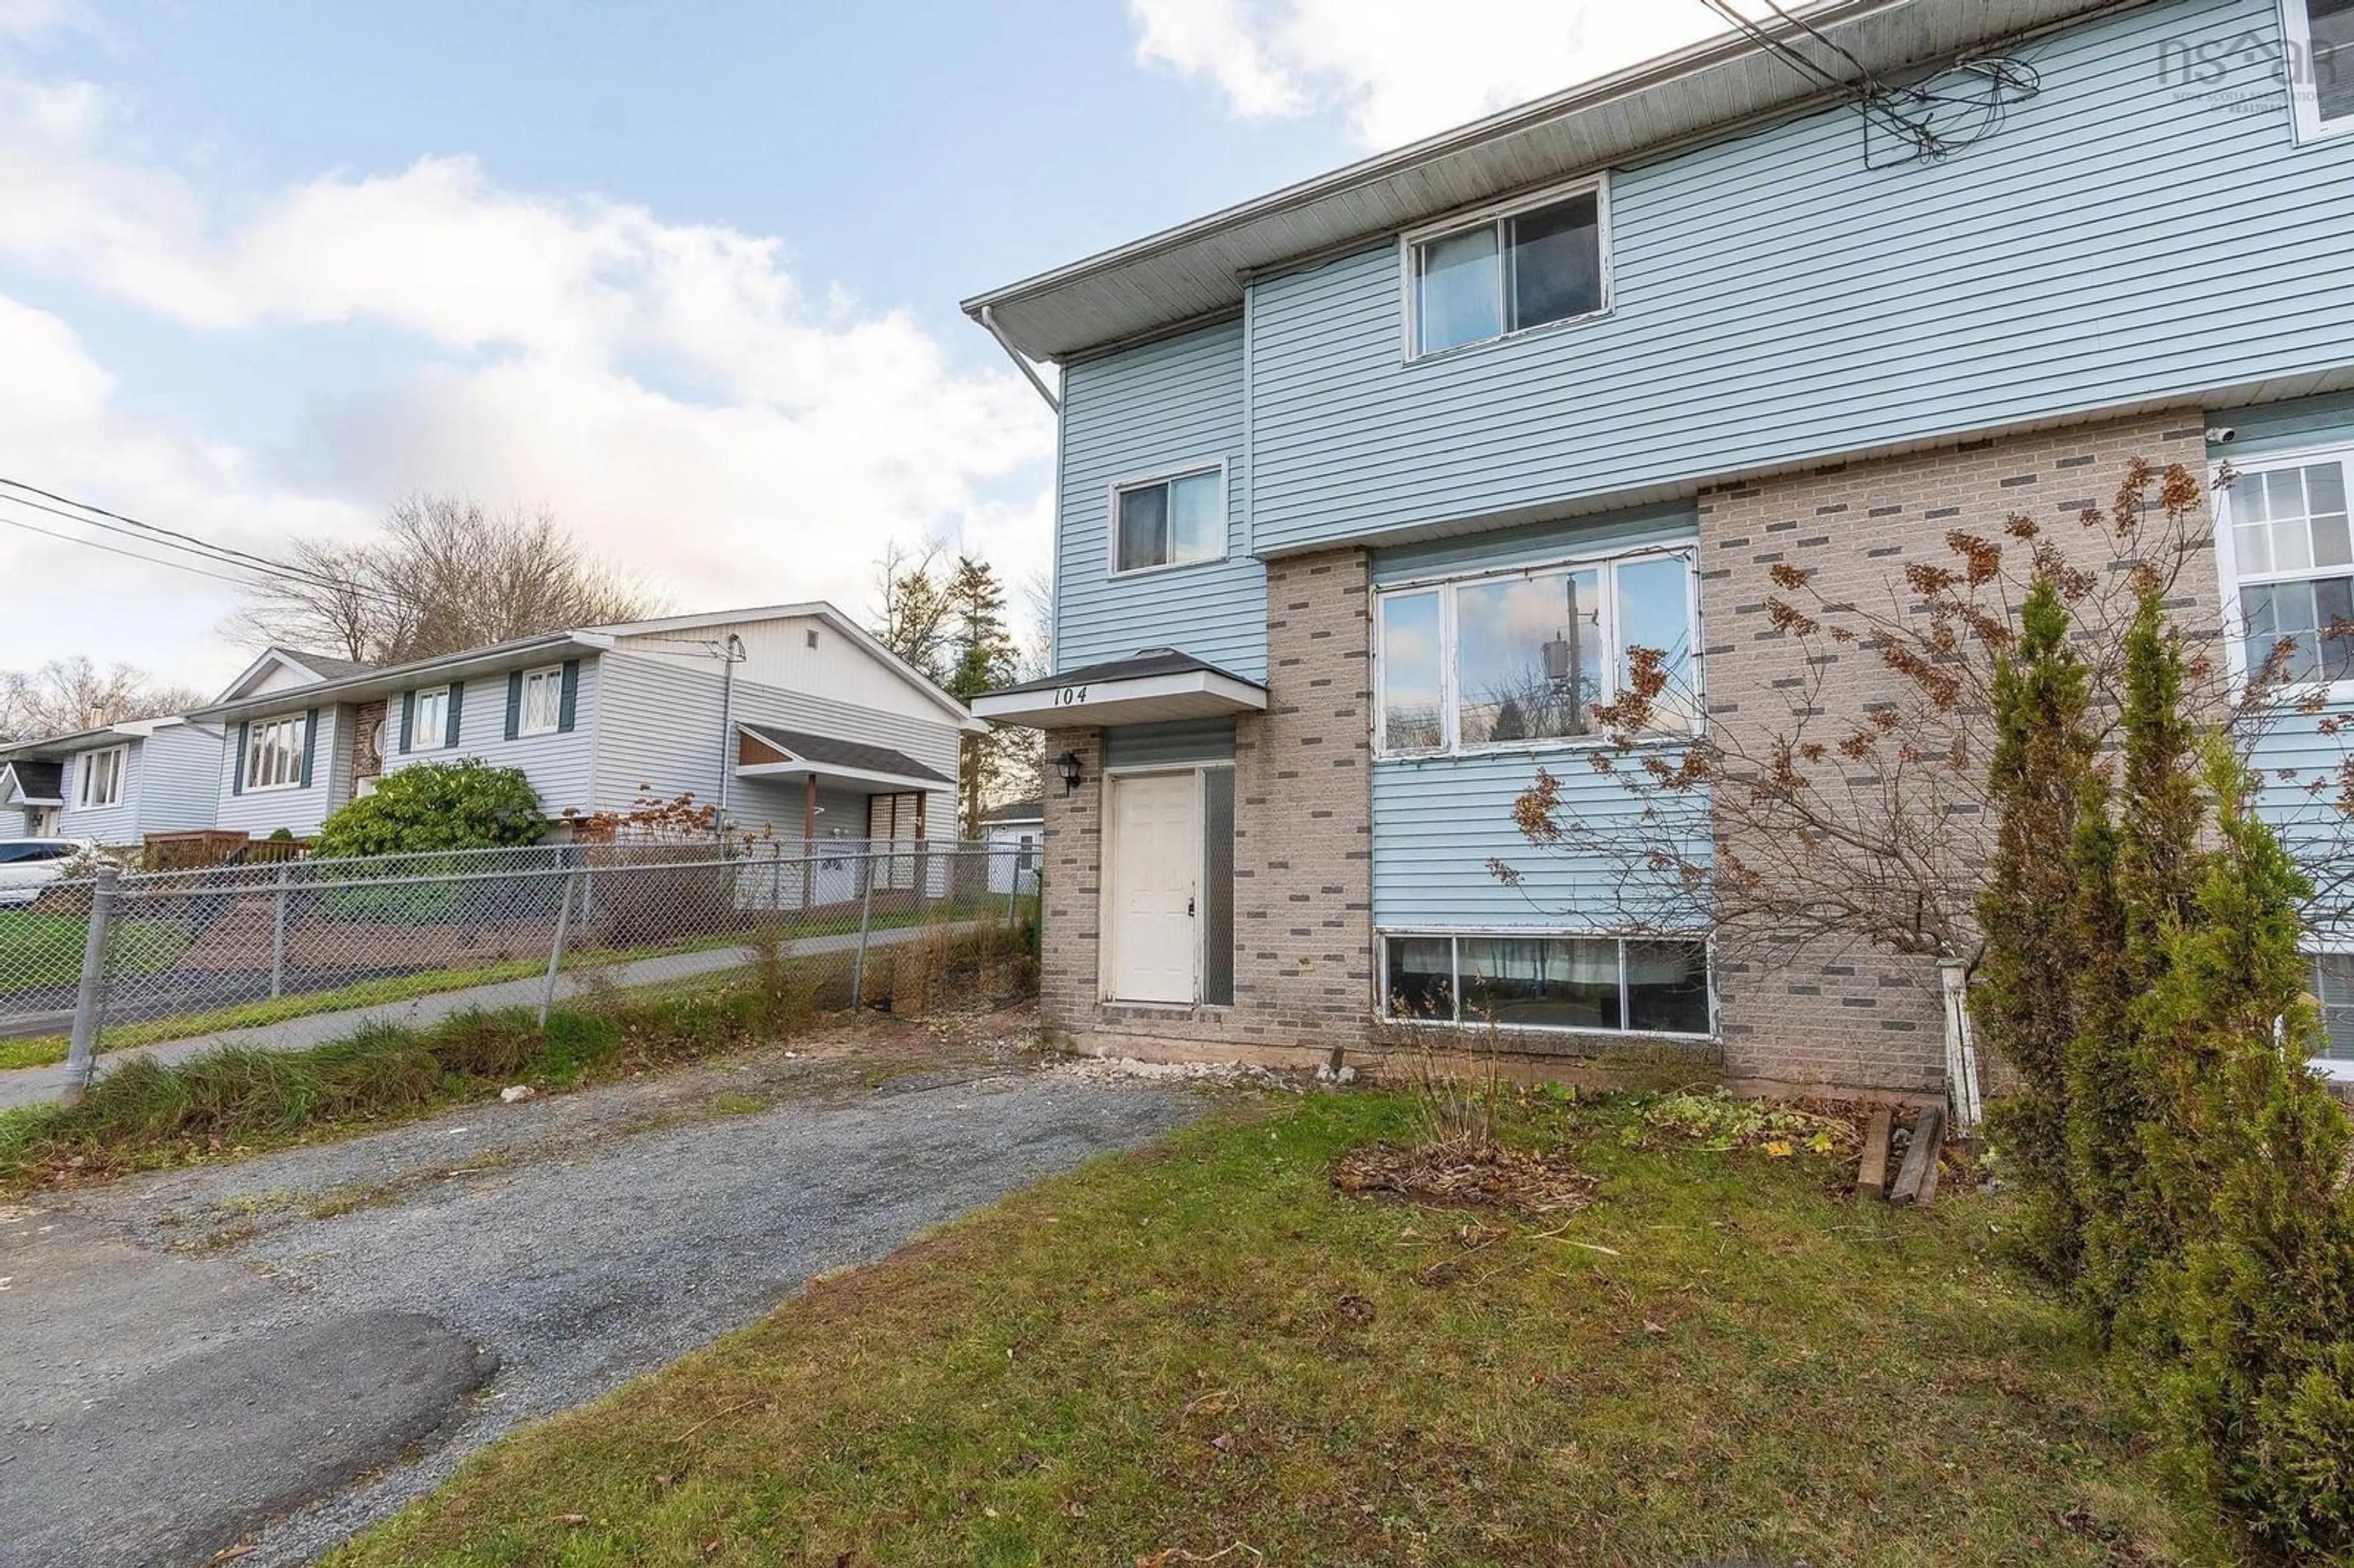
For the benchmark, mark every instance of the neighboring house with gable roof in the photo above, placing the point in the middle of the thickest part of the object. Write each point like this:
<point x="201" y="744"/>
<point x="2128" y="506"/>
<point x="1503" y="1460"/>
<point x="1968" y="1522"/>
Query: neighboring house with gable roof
<point x="114" y="783"/>
<point x="791" y="717"/>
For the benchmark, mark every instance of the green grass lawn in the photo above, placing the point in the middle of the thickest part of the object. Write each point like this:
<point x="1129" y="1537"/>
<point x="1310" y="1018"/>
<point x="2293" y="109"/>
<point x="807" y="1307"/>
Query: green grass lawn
<point x="1202" y="1353"/>
<point x="39" y="951"/>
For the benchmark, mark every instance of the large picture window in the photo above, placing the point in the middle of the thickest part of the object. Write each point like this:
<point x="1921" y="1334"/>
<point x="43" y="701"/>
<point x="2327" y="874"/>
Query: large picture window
<point x="273" y="754"/>
<point x="1526" y="658"/>
<point x="2292" y="565"/>
<point x="1168" y="521"/>
<point x="1507" y="272"/>
<point x="100" y="782"/>
<point x="1587" y="984"/>
<point x="2321" y="65"/>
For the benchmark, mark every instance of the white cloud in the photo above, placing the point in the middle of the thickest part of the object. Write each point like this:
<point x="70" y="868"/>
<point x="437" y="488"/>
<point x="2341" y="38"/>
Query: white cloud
<point x="1397" y="68"/>
<point x="674" y="392"/>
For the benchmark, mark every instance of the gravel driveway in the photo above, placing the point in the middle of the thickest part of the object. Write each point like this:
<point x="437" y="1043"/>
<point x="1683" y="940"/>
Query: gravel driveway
<point x="186" y="1358"/>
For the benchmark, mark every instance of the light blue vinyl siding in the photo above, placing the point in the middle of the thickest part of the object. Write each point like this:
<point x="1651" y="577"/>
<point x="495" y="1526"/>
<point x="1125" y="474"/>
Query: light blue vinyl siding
<point x="559" y="766"/>
<point x="2282" y="426"/>
<point x="659" y="733"/>
<point x="1438" y="821"/>
<point x="1144" y="411"/>
<point x="179" y="778"/>
<point x="2297" y="762"/>
<point x="299" y="812"/>
<point x="2116" y="241"/>
<point x="114" y="825"/>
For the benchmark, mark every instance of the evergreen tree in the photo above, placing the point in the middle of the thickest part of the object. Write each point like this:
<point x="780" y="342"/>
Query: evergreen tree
<point x="2040" y="779"/>
<point x="2254" y="1315"/>
<point x="985" y="657"/>
<point x="2139" y="881"/>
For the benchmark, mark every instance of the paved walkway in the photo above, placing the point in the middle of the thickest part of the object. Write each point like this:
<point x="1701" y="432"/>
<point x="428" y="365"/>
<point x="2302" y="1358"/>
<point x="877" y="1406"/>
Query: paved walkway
<point x="30" y="1085"/>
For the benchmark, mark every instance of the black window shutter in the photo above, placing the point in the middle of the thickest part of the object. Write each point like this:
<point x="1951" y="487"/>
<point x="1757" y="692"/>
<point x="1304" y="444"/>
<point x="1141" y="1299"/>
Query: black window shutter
<point x="567" y="707"/>
<point x="408" y="718"/>
<point x="236" y="779"/>
<point x="310" y="743"/>
<point x="457" y="698"/>
<point x="515" y="704"/>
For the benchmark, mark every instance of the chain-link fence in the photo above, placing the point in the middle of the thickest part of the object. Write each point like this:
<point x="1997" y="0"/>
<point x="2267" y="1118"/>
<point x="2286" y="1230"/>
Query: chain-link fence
<point x="181" y="953"/>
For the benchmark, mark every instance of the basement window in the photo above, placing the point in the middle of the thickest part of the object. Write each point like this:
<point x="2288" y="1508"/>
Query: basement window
<point x="1584" y="984"/>
<point x="1536" y="264"/>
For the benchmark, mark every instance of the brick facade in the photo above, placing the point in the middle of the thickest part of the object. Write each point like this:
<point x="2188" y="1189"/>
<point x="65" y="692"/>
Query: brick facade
<point x="1845" y="1014"/>
<point x="1845" y="1017"/>
<point x="1303" y="869"/>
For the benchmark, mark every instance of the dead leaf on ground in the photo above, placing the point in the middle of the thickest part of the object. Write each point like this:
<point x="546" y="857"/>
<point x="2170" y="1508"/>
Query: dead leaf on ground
<point x="1517" y="1179"/>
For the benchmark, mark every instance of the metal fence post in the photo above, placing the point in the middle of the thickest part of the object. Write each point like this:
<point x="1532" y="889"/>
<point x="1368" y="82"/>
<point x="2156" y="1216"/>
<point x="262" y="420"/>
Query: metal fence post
<point x="866" y="920"/>
<point x="81" y="1053"/>
<point x="278" y="936"/>
<point x="556" y="950"/>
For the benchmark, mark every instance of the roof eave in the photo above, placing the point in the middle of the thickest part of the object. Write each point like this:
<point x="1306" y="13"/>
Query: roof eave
<point x="1659" y="104"/>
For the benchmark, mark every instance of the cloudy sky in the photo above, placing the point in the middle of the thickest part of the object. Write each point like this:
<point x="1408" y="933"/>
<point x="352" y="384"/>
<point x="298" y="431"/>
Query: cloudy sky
<point x="683" y="273"/>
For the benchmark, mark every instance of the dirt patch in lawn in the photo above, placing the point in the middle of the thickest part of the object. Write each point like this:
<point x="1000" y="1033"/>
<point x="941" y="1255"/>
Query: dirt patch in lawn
<point x="1525" y="1180"/>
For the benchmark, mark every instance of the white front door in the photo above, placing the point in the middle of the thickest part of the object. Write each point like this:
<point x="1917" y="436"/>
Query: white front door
<point x="1156" y="864"/>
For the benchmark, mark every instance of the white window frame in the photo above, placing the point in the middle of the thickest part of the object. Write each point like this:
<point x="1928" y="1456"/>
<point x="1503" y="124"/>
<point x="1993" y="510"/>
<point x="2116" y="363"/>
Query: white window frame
<point x="1455" y="937"/>
<point x="1495" y="213"/>
<point x="2227" y="565"/>
<point x="2337" y="947"/>
<point x="256" y="734"/>
<point x="1450" y="698"/>
<point x="1120" y="487"/>
<point x="87" y="775"/>
<point x="550" y="679"/>
<point x="434" y="737"/>
<point x="2304" y="92"/>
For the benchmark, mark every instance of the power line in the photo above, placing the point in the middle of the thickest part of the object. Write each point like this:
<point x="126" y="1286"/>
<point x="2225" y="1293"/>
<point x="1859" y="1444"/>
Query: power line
<point x="175" y="539"/>
<point x="262" y="561"/>
<point x="1872" y="97"/>
<point x="129" y="554"/>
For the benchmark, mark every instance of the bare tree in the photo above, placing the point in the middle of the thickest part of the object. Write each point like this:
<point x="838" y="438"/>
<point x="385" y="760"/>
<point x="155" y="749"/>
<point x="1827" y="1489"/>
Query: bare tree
<point x="1856" y="811"/>
<point x="445" y="575"/>
<point x="913" y="613"/>
<point x="73" y="693"/>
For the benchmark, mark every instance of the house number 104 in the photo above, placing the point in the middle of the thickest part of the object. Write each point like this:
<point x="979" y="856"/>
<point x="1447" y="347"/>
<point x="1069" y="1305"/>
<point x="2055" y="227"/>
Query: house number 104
<point x="1070" y="697"/>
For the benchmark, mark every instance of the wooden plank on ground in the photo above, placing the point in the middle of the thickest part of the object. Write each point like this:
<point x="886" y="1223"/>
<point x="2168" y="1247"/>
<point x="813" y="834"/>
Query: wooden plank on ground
<point x="1920" y="1155"/>
<point x="1871" y="1176"/>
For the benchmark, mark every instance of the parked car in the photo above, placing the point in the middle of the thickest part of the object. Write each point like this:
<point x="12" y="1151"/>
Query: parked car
<point x="28" y="865"/>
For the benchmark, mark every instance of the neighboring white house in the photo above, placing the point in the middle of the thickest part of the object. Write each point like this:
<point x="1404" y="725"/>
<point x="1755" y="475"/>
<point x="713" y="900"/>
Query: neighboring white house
<point x="1017" y="829"/>
<point x="791" y="717"/>
<point x="114" y="784"/>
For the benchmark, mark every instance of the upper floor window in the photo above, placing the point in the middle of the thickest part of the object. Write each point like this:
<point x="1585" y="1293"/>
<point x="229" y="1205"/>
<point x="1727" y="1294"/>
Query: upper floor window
<point x="2290" y="561"/>
<point x="1508" y="270"/>
<point x="273" y="754"/>
<point x="101" y="782"/>
<point x="1168" y="521"/>
<point x="1523" y="658"/>
<point x="428" y="722"/>
<point x="2321" y="65"/>
<point x="543" y="701"/>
